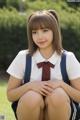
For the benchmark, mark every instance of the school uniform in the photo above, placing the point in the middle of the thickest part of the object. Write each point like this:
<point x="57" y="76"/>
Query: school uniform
<point x="17" y="67"/>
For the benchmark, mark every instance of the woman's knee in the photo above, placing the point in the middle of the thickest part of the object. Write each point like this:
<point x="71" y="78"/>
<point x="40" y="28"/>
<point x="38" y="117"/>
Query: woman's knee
<point x="31" y="100"/>
<point x="58" y="98"/>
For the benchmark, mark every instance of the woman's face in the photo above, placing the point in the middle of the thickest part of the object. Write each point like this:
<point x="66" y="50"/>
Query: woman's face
<point x="43" y="38"/>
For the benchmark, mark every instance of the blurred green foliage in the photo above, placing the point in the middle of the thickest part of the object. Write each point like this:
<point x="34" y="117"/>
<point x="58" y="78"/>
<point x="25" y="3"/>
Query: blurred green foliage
<point x="12" y="35"/>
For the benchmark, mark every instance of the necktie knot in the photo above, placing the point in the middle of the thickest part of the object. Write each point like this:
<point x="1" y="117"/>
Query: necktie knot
<point x="44" y="64"/>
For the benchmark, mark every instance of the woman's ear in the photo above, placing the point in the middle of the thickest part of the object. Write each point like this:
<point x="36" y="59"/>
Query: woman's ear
<point x="54" y="13"/>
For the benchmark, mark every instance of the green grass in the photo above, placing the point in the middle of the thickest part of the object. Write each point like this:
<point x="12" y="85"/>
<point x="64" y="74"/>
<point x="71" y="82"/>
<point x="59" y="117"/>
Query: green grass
<point x="5" y="105"/>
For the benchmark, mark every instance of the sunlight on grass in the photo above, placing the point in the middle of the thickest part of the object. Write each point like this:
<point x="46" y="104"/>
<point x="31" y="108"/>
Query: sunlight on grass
<point x="5" y="105"/>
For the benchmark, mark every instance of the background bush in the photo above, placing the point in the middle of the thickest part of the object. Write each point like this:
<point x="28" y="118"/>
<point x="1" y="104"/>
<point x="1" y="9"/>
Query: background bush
<point x="13" y="37"/>
<point x="2" y="3"/>
<point x="12" y="3"/>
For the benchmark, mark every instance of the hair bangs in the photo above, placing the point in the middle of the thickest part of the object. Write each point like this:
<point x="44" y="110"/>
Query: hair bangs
<point x="40" y="22"/>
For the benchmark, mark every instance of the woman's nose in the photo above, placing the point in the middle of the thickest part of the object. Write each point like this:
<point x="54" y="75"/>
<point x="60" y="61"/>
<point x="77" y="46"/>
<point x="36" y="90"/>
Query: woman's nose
<point x="40" y="35"/>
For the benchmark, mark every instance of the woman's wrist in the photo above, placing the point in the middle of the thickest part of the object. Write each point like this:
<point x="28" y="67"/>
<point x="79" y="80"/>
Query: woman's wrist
<point x="29" y="85"/>
<point x="62" y="84"/>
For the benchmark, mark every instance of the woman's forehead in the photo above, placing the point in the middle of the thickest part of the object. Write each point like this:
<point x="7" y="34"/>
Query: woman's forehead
<point x="40" y="22"/>
<point x="39" y="26"/>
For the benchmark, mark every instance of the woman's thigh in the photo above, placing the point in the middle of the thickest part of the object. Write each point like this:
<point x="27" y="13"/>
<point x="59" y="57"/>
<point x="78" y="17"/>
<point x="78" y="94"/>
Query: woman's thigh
<point x="57" y="97"/>
<point x="57" y="100"/>
<point x="31" y="100"/>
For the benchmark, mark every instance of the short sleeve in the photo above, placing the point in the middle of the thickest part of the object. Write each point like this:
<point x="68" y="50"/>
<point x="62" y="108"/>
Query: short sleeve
<point x="17" y="67"/>
<point x="73" y="66"/>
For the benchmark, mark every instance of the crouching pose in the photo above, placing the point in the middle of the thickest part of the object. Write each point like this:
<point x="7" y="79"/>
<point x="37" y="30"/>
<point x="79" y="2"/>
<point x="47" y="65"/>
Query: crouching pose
<point x="45" y="94"/>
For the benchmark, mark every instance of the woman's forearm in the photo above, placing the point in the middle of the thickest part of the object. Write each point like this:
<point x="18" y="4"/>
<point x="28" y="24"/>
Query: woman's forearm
<point x="72" y="92"/>
<point x="15" y="93"/>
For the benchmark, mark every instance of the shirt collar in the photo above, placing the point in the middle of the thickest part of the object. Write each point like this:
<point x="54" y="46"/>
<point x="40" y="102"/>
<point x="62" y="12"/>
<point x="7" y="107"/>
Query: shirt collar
<point x="39" y="58"/>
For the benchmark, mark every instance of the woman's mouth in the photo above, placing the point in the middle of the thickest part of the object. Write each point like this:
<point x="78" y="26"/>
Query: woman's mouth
<point x="41" y="42"/>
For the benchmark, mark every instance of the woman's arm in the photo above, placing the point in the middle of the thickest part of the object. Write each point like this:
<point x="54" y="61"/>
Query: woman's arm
<point x="14" y="90"/>
<point x="74" y="90"/>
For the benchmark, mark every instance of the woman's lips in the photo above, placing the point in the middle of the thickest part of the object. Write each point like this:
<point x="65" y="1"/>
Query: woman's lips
<point x="41" y="42"/>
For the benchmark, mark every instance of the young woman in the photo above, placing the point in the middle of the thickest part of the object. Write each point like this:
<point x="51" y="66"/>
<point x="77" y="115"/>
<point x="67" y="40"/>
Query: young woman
<point x="44" y="97"/>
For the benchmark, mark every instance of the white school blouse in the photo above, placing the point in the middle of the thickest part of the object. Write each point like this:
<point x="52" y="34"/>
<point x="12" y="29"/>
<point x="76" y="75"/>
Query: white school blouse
<point x="17" y="67"/>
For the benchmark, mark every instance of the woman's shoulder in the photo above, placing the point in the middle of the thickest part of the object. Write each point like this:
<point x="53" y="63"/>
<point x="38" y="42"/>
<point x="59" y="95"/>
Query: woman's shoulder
<point x="23" y="52"/>
<point x="73" y="65"/>
<point x="21" y="55"/>
<point x="71" y="57"/>
<point x="69" y="54"/>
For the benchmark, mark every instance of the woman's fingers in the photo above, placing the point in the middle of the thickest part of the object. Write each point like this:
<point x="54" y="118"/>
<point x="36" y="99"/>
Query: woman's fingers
<point x="49" y="83"/>
<point x="40" y="92"/>
<point x="48" y="88"/>
<point x="44" y="88"/>
<point x="46" y="91"/>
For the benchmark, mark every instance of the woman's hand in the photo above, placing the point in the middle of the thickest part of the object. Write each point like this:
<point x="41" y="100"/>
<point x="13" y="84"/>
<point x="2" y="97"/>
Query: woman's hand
<point x="54" y="84"/>
<point x="42" y="87"/>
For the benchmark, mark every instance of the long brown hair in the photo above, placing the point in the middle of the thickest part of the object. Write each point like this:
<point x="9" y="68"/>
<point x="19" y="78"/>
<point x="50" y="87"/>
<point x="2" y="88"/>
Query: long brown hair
<point x="40" y="20"/>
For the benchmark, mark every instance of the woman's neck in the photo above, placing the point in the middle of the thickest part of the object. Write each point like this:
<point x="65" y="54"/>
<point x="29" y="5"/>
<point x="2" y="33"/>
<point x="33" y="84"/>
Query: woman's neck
<point x="46" y="53"/>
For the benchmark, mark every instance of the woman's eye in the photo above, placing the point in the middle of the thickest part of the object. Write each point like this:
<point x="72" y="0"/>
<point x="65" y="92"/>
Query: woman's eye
<point x="34" y="32"/>
<point x="45" y="30"/>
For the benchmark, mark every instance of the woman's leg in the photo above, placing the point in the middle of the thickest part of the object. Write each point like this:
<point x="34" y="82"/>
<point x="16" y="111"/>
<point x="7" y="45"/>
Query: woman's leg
<point x="41" y="114"/>
<point x="30" y="106"/>
<point x="58" y="105"/>
<point x="46" y="113"/>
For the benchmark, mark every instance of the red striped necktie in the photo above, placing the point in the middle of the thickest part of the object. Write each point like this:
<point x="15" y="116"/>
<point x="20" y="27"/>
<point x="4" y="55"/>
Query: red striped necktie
<point x="45" y="70"/>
